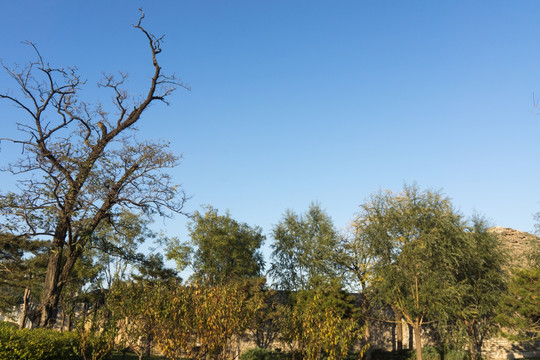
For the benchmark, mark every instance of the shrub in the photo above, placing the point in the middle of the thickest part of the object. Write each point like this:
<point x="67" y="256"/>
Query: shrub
<point x="38" y="344"/>
<point x="262" y="354"/>
<point x="378" y="354"/>
<point x="456" y="355"/>
<point x="430" y="353"/>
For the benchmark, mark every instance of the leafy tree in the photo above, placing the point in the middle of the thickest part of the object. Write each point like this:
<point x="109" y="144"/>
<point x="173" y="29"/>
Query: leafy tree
<point x="268" y="320"/>
<point x="199" y="320"/>
<point x="152" y="269"/>
<point x="83" y="280"/>
<point x="357" y="258"/>
<point x="116" y="246"/>
<point x="79" y="167"/>
<point x="483" y="277"/>
<point x="520" y="308"/>
<point x="113" y="257"/>
<point x="304" y="249"/>
<point x="22" y="269"/>
<point x="221" y="249"/>
<point x="321" y="322"/>
<point x="97" y="325"/>
<point x="130" y="301"/>
<point x="419" y="241"/>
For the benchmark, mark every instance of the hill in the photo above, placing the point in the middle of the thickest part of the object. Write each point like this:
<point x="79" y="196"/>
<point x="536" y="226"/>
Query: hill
<point x="518" y="244"/>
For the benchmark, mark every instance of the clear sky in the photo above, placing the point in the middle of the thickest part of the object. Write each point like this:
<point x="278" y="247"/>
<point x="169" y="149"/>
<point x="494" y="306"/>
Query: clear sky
<point x="329" y="101"/>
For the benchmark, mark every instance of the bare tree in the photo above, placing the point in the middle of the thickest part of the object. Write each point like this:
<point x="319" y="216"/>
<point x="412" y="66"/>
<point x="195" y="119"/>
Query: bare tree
<point x="79" y="168"/>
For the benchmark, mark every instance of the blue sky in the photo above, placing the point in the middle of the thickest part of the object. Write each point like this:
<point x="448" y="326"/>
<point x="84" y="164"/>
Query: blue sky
<point x="329" y="101"/>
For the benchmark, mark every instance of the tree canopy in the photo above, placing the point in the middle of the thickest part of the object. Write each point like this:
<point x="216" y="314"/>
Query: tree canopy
<point x="304" y="249"/>
<point x="220" y="248"/>
<point x="418" y="241"/>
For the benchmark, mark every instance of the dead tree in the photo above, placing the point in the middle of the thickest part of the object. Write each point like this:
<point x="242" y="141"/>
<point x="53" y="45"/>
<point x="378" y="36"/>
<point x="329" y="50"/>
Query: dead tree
<point x="79" y="168"/>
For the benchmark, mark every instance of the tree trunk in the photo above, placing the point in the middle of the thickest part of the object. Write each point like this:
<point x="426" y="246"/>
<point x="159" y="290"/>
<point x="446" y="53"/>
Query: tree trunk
<point x="69" y="323"/>
<point x="149" y="338"/>
<point x="24" y="313"/>
<point x="475" y="346"/>
<point x="369" y="351"/>
<point x="472" y="349"/>
<point x="417" y="340"/>
<point x="56" y="276"/>
<point x="63" y="320"/>
<point x="399" y="331"/>
<point x="51" y="290"/>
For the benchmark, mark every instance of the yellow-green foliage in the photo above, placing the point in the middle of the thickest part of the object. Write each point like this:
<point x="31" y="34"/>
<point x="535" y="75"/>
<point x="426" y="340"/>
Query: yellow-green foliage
<point x="199" y="320"/>
<point x="321" y="325"/>
<point x="37" y="344"/>
<point x="325" y="330"/>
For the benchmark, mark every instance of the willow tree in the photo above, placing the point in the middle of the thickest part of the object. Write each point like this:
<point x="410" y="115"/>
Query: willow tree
<point x="418" y="241"/>
<point x="304" y="250"/>
<point x="80" y="165"/>
<point x="484" y="279"/>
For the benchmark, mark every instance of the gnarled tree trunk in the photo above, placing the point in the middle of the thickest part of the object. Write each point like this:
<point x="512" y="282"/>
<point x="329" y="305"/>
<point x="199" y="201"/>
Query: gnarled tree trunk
<point x="24" y="314"/>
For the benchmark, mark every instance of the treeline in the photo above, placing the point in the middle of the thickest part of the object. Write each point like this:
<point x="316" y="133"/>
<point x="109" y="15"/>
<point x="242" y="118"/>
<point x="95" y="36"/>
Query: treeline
<point x="86" y="190"/>
<point x="407" y="257"/>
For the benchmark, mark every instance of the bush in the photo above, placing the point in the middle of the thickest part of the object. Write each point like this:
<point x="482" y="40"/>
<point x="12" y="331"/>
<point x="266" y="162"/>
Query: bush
<point x="378" y="354"/>
<point x="456" y="355"/>
<point x="430" y="353"/>
<point x="38" y="344"/>
<point x="262" y="354"/>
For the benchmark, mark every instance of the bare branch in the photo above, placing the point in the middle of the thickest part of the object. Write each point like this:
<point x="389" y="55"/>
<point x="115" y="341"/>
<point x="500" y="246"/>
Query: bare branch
<point x="81" y="168"/>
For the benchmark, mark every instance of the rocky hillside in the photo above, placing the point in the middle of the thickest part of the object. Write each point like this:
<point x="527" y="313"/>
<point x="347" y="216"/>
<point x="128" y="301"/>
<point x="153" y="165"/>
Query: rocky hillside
<point x="517" y="243"/>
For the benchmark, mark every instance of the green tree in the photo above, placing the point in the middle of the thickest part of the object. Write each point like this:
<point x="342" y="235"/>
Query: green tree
<point x="418" y="240"/>
<point x="113" y="258"/>
<point x="79" y="166"/>
<point x="520" y="308"/>
<point x="97" y="326"/>
<point x="269" y="319"/>
<point x="484" y="278"/>
<point x="116" y="246"/>
<point x="357" y="258"/>
<point x="23" y="263"/>
<point x="83" y="280"/>
<point x="220" y="249"/>
<point x="304" y="249"/>
<point x="153" y="269"/>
